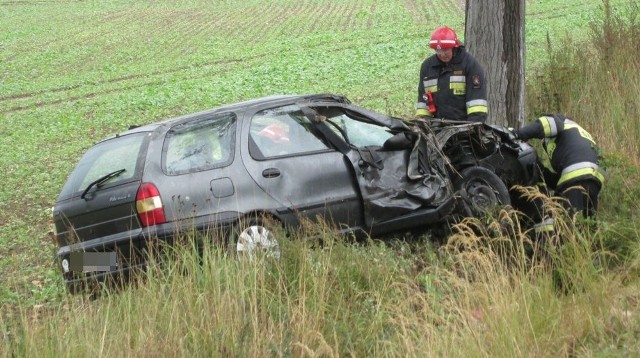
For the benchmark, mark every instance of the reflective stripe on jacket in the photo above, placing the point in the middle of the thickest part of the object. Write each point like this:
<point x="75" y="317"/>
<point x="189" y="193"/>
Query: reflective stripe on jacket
<point x="579" y="170"/>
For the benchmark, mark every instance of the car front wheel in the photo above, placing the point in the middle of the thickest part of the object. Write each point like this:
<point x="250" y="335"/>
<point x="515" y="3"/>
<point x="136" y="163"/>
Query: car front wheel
<point x="482" y="191"/>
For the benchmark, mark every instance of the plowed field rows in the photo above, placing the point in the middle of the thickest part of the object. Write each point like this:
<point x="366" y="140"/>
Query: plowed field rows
<point x="111" y="48"/>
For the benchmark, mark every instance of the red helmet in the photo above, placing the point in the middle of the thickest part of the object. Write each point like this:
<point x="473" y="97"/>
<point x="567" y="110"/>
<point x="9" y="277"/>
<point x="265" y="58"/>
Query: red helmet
<point x="275" y="133"/>
<point x="443" y="38"/>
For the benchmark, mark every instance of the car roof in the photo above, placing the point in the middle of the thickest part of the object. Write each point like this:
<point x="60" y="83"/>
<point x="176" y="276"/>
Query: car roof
<point x="267" y="100"/>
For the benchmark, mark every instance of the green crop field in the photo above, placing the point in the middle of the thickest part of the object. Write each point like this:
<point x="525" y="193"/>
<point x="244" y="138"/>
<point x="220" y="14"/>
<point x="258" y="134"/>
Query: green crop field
<point x="73" y="72"/>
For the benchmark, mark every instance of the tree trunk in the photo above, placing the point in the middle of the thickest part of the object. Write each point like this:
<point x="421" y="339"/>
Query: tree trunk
<point x="494" y="34"/>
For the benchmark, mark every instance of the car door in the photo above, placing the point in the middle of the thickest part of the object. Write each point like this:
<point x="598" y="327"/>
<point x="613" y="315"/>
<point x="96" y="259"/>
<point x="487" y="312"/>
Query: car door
<point x="292" y="163"/>
<point x="397" y="171"/>
<point x="197" y="180"/>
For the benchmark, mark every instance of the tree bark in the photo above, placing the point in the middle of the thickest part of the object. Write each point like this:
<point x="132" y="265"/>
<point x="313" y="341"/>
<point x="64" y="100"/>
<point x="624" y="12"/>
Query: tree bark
<point x="494" y="34"/>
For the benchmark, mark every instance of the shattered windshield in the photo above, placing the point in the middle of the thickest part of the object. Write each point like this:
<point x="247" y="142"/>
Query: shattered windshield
<point x="358" y="133"/>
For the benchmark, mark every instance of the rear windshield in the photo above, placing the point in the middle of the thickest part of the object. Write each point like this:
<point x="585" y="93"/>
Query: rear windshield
<point x="103" y="159"/>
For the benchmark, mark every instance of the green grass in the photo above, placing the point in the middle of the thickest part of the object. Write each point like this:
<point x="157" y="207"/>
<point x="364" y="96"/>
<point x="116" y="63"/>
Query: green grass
<point x="72" y="73"/>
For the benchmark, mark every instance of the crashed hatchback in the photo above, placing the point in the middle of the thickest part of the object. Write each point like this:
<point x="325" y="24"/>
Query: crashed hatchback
<point x="221" y="172"/>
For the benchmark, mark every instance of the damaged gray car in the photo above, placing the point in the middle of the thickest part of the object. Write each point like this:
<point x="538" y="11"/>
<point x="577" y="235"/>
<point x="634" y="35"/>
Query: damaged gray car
<point x="231" y="173"/>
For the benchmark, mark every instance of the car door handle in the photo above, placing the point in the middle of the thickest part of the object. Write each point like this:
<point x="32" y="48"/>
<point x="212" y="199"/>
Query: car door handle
<point x="271" y="173"/>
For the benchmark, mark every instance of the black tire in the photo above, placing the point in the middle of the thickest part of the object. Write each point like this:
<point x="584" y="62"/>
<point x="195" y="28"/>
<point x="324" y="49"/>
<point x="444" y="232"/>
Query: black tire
<point x="482" y="191"/>
<point x="252" y="238"/>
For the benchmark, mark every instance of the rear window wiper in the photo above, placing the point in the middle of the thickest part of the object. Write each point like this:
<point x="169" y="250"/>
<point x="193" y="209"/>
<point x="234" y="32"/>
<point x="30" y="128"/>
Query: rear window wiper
<point x="100" y="181"/>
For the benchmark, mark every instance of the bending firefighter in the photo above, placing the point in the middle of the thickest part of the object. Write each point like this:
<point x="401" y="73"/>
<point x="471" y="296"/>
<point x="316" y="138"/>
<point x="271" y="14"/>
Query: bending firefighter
<point x="572" y="170"/>
<point x="452" y="83"/>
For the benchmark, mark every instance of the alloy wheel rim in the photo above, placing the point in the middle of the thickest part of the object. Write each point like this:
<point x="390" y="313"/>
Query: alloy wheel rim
<point x="257" y="241"/>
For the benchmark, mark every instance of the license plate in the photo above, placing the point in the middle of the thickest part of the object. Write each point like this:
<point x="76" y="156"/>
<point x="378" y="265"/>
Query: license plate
<point x="93" y="261"/>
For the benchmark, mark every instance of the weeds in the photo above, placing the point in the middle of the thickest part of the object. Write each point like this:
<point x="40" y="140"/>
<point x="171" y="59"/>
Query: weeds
<point x="591" y="82"/>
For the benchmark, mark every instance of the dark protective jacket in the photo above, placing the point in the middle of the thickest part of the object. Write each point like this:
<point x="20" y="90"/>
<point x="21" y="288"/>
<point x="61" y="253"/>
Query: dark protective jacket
<point x="573" y="153"/>
<point x="458" y="88"/>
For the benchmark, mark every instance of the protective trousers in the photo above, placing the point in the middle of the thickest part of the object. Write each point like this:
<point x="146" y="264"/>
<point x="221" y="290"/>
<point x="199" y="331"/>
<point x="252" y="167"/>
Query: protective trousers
<point x="582" y="196"/>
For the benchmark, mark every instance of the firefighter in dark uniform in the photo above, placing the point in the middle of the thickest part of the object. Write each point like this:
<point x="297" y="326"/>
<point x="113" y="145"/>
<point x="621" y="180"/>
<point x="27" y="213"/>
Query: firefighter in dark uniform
<point x="452" y="82"/>
<point x="572" y="170"/>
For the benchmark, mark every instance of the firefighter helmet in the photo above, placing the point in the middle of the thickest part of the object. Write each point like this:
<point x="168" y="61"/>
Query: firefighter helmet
<point x="443" y="38"/>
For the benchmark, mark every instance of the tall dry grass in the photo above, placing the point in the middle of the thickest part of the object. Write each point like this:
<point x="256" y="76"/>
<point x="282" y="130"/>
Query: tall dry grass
<point x="489" y="291"/>
<point x="597" y="83"/>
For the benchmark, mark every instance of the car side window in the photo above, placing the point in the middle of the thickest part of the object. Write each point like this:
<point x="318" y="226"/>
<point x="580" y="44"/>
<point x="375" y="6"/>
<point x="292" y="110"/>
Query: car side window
<point x="283" y="131"/>
<point x="199" y="145"/>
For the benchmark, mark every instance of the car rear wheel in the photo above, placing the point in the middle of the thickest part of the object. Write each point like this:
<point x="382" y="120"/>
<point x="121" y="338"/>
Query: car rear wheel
<point x="251" y="238"/>
<point x="482" y="191"/>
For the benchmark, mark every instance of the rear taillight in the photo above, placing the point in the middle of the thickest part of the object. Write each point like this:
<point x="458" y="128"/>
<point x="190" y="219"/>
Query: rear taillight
<point x="149" y="205"/>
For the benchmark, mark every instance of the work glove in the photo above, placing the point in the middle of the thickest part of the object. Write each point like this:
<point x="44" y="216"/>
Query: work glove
<point x="513" y="133"/>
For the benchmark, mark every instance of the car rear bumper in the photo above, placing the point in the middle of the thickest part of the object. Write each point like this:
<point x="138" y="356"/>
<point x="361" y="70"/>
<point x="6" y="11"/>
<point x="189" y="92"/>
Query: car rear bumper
<point x="88" y="282"/>
<point x="114" y="259"/>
